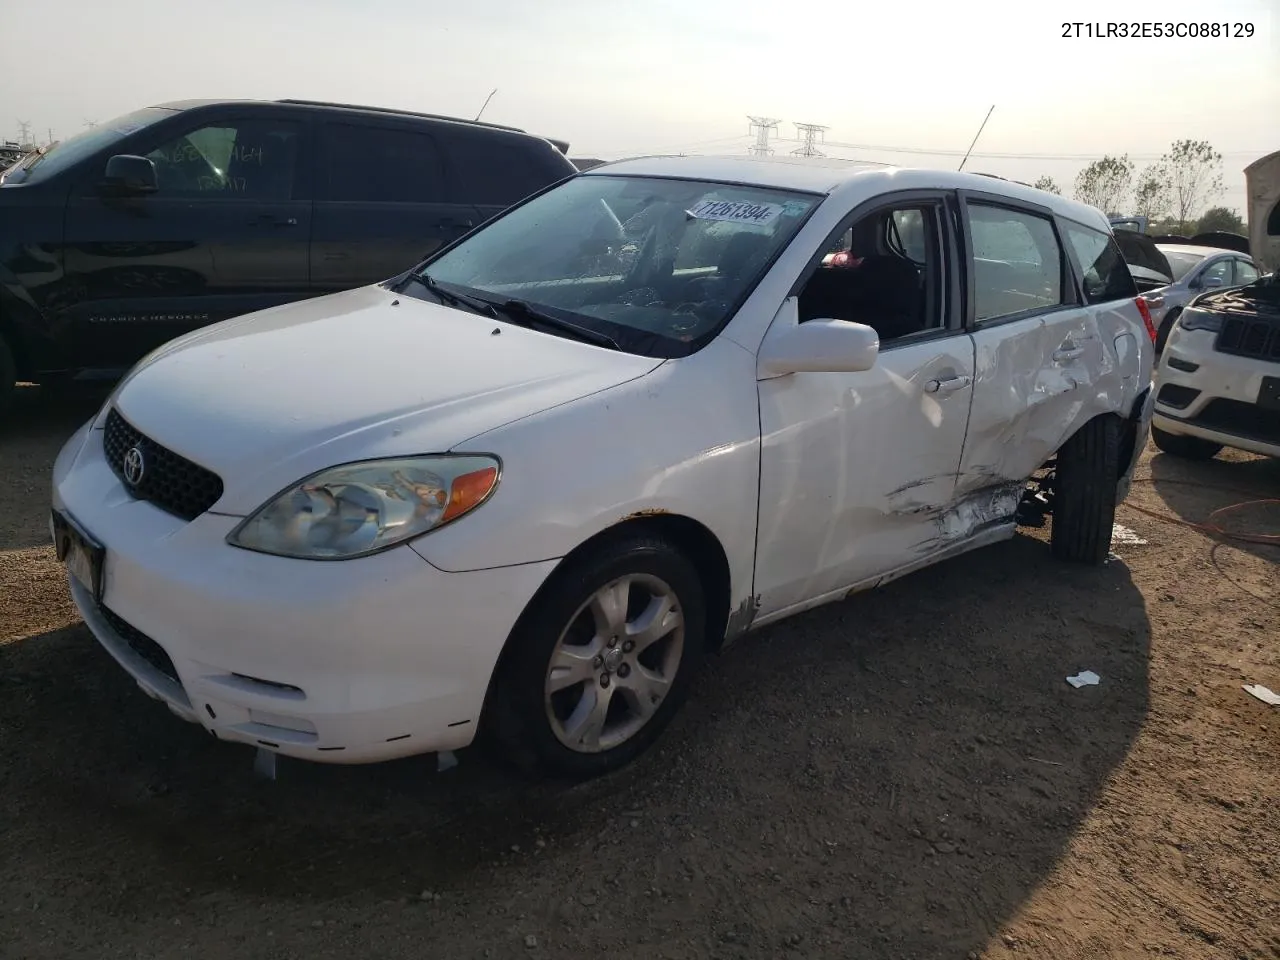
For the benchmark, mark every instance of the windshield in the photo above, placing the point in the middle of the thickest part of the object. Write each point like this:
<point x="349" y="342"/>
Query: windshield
<point x="1181" y="263"/>
<point x="66" y="153"/>
<point x="657" y="265"/>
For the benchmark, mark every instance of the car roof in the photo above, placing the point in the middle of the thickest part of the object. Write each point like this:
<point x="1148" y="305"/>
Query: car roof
<point x="1196" y="250"/>
<point x="827" y="175"/>
<point x="359" y="109"/>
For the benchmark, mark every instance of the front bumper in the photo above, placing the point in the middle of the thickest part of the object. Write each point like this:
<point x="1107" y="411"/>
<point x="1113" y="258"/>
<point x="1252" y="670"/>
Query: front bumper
<point x="1217" y="399"/>
<point x="343" y="662"/>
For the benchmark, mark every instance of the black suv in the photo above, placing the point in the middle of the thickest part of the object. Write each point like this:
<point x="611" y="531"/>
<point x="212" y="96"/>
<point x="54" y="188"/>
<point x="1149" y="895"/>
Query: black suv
<point x="184" y="214"/>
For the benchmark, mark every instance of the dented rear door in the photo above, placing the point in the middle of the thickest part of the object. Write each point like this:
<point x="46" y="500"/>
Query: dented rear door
<point x="1039" y="355"/>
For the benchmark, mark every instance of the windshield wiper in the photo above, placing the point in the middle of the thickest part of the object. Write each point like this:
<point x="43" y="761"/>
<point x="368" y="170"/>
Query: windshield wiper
<point x="453" y="299"/>
<point x="530" y="313"/>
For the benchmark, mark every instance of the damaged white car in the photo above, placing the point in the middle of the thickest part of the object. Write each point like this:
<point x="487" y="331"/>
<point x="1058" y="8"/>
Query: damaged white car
<point x="524" y="489"/>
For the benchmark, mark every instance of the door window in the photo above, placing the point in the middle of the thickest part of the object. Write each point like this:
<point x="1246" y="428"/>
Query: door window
<point x="1246" y="272"/>
<point x="884" y="270"/>
<point x="1218" y="273"/>
<point x="242" y="159"/>
<point x="1017" y="262"/>
<point x="1106" y="275"/>
<point x="383" y="165"/>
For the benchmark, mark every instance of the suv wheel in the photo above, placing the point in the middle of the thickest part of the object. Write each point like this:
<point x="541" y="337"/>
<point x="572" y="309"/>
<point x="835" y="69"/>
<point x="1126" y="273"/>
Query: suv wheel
<point x="8" y="375"/>
<point x="1085" y="489"/>
<point x="1189" y="448"/>
<point x="600" y="661"/>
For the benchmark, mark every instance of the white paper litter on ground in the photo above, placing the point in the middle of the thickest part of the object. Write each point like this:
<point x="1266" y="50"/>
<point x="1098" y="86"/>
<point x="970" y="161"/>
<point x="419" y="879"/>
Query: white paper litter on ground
<point x="1085" y="678"/>
<point x="1122" y="534"/>
<point x="1263" y="694"/>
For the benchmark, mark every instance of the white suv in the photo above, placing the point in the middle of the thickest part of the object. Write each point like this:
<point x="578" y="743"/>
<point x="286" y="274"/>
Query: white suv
<point x="525" y="487"/>
<point x="1220" y="375"/>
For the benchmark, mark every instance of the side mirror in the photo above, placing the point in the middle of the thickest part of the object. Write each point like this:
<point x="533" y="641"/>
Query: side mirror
<point x="818" y="346"/>
<point x="1211" y="282"/>
<point x="128" y="175"/>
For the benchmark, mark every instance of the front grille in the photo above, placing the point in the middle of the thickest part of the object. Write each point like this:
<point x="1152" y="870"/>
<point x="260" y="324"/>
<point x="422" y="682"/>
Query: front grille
<point x="1259" y="339"/>
<point x="171" y="482"/>
<point x="1240" y="419"/>
<point x="1177" y="396"/>
<point x="141" y="644"/>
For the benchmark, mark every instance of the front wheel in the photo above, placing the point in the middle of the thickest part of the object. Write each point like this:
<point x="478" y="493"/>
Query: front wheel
<point x="1085" y="490"/>
<point x="1189" y="448"/>
<point x="600" y="661"/>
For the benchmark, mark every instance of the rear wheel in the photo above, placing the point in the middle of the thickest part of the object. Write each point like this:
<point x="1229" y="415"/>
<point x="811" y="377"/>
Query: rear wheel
<point x="1189" y="448"/>
<point x="1084" y="493"/>
<point x="8" y="375"/>
<point x="600" y="661"/>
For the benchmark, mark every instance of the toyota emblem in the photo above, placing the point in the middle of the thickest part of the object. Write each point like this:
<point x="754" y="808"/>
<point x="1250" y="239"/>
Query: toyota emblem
<point x="134" y="466"/>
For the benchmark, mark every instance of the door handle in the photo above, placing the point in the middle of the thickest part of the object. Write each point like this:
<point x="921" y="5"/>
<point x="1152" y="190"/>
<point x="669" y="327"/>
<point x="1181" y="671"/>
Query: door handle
<point x="267" y="219"/>
<point x="948" y="385"/>
<point x="1067" y="353"/>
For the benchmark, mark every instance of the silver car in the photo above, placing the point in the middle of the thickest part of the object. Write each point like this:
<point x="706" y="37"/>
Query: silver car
<point x="1194" y="270"/>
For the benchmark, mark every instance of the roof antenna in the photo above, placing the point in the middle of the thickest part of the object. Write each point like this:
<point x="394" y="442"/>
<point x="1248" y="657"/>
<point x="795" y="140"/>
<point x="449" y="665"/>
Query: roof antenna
<point x="975" y="137"/>
<point x="486" y="102"/>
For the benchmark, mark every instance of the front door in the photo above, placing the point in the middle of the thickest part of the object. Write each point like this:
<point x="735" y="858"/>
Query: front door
<point x="385" y="202"/>
<point x="227" y="233"/>
<point x="858" y="470"/>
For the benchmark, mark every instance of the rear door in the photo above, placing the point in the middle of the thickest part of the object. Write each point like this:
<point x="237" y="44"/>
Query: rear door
<point x="384" y="202"/>
<point x="1038" y="347"/>
<point x="1246" y="272"/>
<point x="226" y="233"/>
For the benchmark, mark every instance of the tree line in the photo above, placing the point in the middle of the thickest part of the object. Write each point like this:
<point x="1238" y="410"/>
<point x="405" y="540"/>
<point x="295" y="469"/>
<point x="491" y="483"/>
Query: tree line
<point x="1167" y="192"/>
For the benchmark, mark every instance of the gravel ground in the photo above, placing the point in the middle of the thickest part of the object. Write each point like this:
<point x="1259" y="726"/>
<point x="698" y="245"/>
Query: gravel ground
<point x="906" y="774"/>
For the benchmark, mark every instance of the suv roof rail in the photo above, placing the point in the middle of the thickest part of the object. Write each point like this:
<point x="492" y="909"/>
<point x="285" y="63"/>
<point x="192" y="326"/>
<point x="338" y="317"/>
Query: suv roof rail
<point x="393" y="110"/>
<point x="996" y="176"/>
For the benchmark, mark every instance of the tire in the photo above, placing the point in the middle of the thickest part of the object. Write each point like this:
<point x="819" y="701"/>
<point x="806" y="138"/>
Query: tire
<point x="8" y="376"/>
<point x="532" y="727"/>
<point x="1188" y="448"/>
<point x="1085" y="489"/>
<point x="1166" y="328"/>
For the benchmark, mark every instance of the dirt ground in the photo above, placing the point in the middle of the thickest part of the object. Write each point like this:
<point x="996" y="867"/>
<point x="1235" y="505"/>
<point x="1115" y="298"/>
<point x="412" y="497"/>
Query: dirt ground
<point x="906" y="774"/>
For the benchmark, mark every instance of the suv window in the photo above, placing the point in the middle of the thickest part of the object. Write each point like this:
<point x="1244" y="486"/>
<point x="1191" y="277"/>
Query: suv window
<point x="1017" y="263"/>
<point x="246" y="159"/>
<point x="1246" y="272"/>
<point x="1106" y="275"/>
<point x="383" y="165"/>
<point x="492" y="172"/>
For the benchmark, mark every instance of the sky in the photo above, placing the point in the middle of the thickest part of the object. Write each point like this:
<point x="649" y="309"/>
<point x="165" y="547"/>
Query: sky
<point x="621" y="78"/>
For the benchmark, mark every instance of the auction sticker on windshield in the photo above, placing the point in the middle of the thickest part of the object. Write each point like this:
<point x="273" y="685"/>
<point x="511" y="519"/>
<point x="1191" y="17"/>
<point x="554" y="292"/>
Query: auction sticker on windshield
<point x="736" y="211"/>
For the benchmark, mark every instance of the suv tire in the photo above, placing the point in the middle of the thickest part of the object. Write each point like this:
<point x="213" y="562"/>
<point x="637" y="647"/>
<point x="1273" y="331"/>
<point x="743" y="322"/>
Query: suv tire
<point x="1188" y="448"/>
<point x="534" y="729"/>
<point x="1085" y="489"/>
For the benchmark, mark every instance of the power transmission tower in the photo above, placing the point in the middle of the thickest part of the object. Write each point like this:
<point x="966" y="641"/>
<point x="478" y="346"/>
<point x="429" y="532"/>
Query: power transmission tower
<point x="811" y="134"/>
<point x="761" y="126"/>
<point x="24" y="132"/>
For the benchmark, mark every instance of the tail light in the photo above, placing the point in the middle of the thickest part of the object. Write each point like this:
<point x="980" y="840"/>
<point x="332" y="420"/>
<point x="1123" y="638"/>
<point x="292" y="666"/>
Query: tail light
<point x="1146" y="317"/>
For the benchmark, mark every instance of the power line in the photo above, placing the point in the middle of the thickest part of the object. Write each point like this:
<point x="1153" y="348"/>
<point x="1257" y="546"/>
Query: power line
<point x="923" y="151"/>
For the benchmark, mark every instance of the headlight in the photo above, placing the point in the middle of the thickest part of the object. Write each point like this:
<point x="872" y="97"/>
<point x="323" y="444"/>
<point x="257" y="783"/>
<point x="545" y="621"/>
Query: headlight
<point x="361" y="508"/>
<point x="1193" y="319"/>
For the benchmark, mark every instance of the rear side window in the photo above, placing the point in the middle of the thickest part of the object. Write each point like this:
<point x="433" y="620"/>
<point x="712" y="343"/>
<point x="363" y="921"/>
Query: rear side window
<point x="1017" y="263"/>
<point x="492" y="171"/>
<point x="1106" y="275"/>
<point x="383" y="165"/>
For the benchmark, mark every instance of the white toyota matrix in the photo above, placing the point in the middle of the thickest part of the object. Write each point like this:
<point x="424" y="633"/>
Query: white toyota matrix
<point x="522" y="490"/>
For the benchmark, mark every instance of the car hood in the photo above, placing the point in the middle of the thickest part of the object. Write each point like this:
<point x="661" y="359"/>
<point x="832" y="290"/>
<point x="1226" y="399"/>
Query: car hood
<point x="269" y="398"/>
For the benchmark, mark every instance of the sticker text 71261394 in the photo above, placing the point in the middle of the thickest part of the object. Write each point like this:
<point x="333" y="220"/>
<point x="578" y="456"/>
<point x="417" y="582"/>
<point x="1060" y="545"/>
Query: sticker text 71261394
<point x="736" y="211"/>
